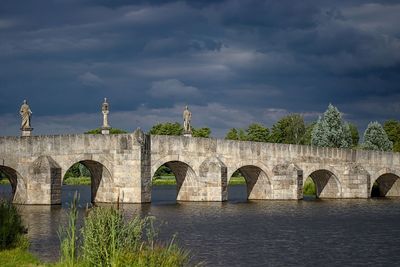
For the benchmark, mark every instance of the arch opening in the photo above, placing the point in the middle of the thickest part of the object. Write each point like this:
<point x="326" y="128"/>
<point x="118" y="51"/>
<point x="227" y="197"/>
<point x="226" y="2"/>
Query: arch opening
<point x="88" y="178"/>
<point x="249" y="182"/>
<point x="309" y="188"/>
<point x="322" y="184"/>
<point x="171" y="182"/>
<point x="386" y="185"/>
<point x="12" y="186"/>
<point x="8" y="185"/>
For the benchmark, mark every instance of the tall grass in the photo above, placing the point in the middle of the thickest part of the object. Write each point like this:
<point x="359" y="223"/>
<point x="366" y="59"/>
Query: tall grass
<point x="11" y="228"/>
<point x="108" y="239"/>
<point x="68" y="235"/>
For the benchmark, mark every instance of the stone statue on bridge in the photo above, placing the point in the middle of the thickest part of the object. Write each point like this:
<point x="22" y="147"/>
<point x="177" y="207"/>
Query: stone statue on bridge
<point x="187" y="117"/>
<point x="26" y="114"/>
<point x="105" y="108"/>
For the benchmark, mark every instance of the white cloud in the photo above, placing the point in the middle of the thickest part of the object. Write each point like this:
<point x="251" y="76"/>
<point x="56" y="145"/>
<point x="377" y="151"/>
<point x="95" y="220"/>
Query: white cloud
<point x="374" y="17"/>
<point x="172" y="88"/>
<point x="6" y="23"/>
<point x="156" y="15"/>
<point x="90" y="79"/>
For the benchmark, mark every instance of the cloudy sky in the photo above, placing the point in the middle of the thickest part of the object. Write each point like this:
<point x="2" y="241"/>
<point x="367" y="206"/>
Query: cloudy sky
<point x="232" y="62"/>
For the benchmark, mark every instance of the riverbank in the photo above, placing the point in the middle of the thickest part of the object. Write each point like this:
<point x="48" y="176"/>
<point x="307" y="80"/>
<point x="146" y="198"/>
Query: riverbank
<point x="4" y="181"/>
<point x="78" y="181"/>
<point x="170" y="180"/>
<point x="309" y="186"/>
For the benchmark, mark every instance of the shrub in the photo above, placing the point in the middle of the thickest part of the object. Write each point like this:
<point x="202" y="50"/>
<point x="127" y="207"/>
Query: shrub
<point x="11" y="227"/>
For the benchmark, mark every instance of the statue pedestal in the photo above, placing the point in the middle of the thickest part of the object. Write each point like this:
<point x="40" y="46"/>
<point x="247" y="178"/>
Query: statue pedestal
<point x="26" y="131"/>
<point x="105" y="130"/>
<point x="187" y="134"/>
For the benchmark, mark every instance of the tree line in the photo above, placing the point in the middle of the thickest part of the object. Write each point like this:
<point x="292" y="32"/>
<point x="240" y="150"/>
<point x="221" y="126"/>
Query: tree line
<point x="330" y="130"/>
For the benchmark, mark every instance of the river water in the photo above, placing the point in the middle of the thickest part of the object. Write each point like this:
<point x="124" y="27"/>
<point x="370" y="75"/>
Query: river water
<point x="255" y="233"/>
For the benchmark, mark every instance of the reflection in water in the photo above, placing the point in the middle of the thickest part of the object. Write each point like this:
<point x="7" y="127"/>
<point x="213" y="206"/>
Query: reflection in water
<point x="5" y="192"/>
<point x="256" y="233"/>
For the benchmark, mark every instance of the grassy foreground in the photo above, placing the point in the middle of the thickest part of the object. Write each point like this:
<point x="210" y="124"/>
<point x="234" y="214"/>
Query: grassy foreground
<point x="18" y="257"/>
<point x="106" y="239"/>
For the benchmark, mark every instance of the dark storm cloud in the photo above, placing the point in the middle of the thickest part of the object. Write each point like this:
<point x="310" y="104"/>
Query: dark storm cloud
<point x="233" y="62"/>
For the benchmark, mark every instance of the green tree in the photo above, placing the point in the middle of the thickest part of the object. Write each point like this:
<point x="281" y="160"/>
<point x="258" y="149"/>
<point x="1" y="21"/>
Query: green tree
<point x="375" y="138"/>
<point x="201" y="132"/>
<point x="77" y="170"/>
<point x="242" y="134"/>
<point x="355" y="137"/>
<point x="167" y="128"/>
<point x="392" y="129"/>
<point x="331" y="130"/>
<point x="257" y="133"/>
<point x="112" y="131"/>
<point x="175" y="128"/>
<point x="163" y="171"/>
<point x="73" y="171"/>
<point x="232" y="134"/>
<point x="288" y="130"/>
<point x="306" y="139"/>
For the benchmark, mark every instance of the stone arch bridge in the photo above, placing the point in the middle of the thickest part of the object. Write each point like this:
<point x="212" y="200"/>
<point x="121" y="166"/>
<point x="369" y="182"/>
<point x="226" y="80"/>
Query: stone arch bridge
<point x="122" y="167"/>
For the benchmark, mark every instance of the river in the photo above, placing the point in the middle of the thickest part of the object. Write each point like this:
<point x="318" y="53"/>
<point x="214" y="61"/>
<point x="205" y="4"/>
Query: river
<point x="355" y="232"/>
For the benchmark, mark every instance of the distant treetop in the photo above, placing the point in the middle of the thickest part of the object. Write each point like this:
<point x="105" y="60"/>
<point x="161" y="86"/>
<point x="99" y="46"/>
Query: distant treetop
<point x="112" y="131"/>
<point x="175" y="128"/>
<point x="331" y="131"/>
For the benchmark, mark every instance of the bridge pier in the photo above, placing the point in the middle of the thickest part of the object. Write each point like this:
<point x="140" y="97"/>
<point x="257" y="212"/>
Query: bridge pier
<point x="44" y="185"/>
<point x="355" y="182"/>
<point x="213" y="180"/>
<point x="287" y="182"/>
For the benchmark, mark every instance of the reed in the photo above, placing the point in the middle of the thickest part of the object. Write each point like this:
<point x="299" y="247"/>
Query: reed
<point x="68" y="235"/>
<point x="110" y="240"/>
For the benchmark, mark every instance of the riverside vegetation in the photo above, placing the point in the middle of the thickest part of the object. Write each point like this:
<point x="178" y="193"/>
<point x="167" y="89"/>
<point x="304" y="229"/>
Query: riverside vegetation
<point x="106" y="239"/>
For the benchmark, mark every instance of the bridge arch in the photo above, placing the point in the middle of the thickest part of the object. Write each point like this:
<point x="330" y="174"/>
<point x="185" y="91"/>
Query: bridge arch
<point x="326" y="182"/>
<point x="184" y="174"/>
<point x="258" y="184"/>
<point x="386" y="182"/>
<point x="170" y="158"/>
<point x="101" y="179"/>
<point x="18" y="185"/>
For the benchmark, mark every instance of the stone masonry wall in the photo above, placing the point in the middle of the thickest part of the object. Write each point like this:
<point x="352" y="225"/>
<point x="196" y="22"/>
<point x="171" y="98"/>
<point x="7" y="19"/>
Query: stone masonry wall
<point x="123" y="165"/>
